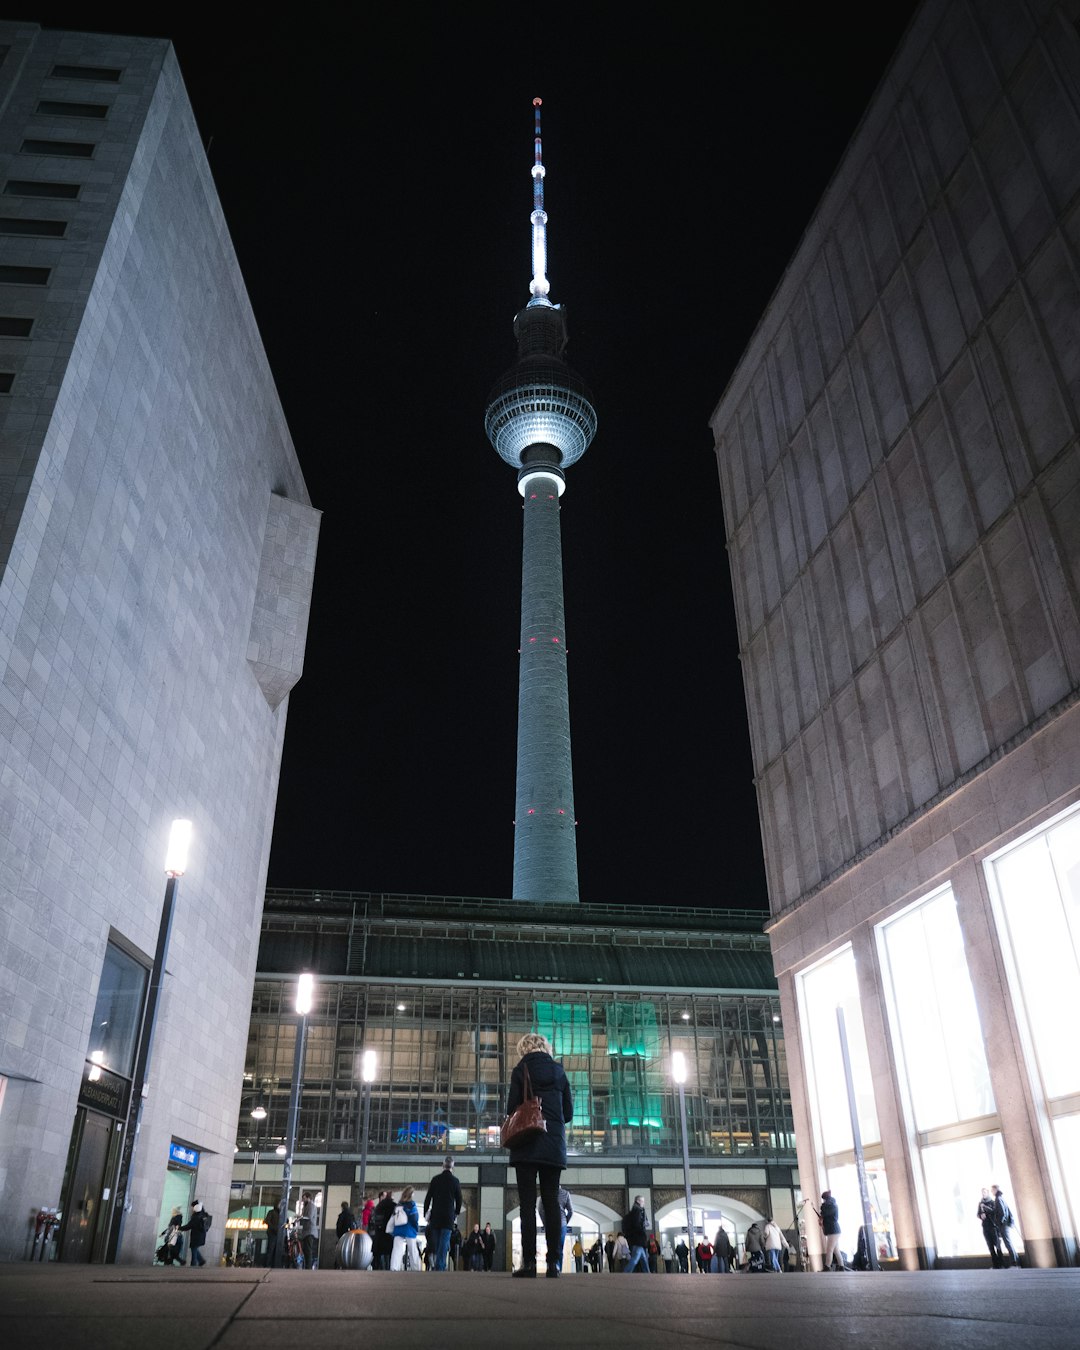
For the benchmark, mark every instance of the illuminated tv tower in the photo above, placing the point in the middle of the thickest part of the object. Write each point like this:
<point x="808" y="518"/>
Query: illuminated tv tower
<point x="540" y="419"/>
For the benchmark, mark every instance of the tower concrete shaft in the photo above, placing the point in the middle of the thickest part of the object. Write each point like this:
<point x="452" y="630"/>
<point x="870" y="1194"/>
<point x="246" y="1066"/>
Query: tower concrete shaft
<point x="540" y="419"/>
<point x="545" y="844"/>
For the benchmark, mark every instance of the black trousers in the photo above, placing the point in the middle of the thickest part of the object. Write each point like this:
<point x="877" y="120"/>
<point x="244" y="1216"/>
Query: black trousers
<point x="549" y="1194"/>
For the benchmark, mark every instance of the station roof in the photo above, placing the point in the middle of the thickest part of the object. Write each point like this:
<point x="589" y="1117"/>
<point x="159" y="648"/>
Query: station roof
<point x="458" y="940"/>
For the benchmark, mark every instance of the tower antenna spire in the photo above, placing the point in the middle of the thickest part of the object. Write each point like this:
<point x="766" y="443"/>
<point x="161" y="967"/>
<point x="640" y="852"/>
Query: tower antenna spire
<point x="539" y="286"/>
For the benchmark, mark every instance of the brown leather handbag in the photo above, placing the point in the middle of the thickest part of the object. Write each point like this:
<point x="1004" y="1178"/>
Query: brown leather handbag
<point x="526" y="1119"/>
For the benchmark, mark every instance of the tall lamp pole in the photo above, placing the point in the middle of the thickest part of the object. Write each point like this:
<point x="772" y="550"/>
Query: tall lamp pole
<point x="856" y="1139"/>
<point x="367" y="1073"/>
<point x="305" y="991"/>
<point x="258" y="1114"/>
<point x="176" y="857"/>
<point x="678" y="1072"/>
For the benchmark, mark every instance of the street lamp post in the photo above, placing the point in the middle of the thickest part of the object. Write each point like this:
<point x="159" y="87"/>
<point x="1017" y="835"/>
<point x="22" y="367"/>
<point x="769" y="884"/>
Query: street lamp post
<point x="176" y="856"/>
<point x="856" y="1139"/>
<point x="305" y="988"/>
<point x="258" y="1114"/>
<point x="367" y="1073"/>
<point x="678" y="1072"/>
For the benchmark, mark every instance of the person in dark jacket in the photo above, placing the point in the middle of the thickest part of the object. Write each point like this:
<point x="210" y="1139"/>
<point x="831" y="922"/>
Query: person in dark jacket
<point x="723" y="1250"/>
<point x="829" y="1216"/>
<point x="541" y="1155"/>
<point x="382" y="1242"/>
<point x="442" y="1205"/>
<point x="635" y="1226"/>
<point x="455" y="1246"/>
<point x="196" y="1226"/>
<point x="346" y="1220"/>
<point x="489" y="1246"/>
<point x="1002" y="1223"/>
<point x="985" y="1215"/>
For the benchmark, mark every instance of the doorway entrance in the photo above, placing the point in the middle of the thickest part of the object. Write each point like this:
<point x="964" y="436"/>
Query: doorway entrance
<point x="95" y="1146"/>
<point x="179" y="1193"/>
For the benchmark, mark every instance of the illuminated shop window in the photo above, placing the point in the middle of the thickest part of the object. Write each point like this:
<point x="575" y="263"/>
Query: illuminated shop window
<point x="935" y="1024"/>
<point x="1035" y="885"/>
<point x="829" y="985"/>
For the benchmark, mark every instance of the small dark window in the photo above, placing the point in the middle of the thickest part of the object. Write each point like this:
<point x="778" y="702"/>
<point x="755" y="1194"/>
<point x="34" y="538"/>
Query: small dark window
<point x="64" y="109"/>
<point x="102" y="73"/>
<point x="71" y="149"/>
<point x="15" y="327"/>
<point x="43" y="229"/>
<point x="7" y="378"/>
<point x="25" y="276"/>
<point x="32" y="187"/>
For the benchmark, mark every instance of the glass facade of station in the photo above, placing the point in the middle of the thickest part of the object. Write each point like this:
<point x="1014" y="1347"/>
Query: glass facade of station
<point x="445" y="1056"/>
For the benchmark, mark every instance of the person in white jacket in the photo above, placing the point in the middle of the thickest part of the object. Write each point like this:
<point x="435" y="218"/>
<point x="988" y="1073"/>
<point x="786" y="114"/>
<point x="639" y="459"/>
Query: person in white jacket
<point x="775" y="1243"/>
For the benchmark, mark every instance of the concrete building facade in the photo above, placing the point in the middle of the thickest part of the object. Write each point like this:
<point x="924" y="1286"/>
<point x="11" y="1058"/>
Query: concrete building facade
<point x="900" y="469"/>
<point x="157" y="548"/>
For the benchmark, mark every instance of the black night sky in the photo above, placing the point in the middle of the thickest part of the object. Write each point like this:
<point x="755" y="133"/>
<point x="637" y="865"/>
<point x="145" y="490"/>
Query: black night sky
<point x="374" y="171"/>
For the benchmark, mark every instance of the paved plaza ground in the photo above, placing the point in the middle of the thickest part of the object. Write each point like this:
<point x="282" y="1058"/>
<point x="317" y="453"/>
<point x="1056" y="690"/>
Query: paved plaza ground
<point x="107" y="1307"/>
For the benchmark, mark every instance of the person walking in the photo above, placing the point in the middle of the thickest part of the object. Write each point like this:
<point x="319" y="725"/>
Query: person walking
<point x="455" y="1246"/>
<point x="755" y="1248"/>
<point x="171" y="1251"/>
<point x="488" y="1237"/>
<point x="725" y="1252"/>
<point x="382" y="1242"/>
<point x="406" y="1231"/>
<point x="579" y="1256"/>
<point x="566" y="1213"/>
<point x="667" y="1255"/>
<point x="540" y="1157"/>
<point x="442" y="1205"/>
<point x="704" y="1253"/>
<point x="635" y="1227"/>
<point x="197" y="1225"/>
<point x="473" y="1249"/>
<point x="309" y="1229"/>
<point x="596" y="1257"/>
<point x="346" y="1219"/>
<point x="775" y="1243"/>
<point x="272" y="1219"/>
<point x="829" y="1218"/>
<point x="682" y="1255"/>
<point x="609" y="1252"/>
<point x="368" y="1210"/>
<point x="1003" y="1221"/>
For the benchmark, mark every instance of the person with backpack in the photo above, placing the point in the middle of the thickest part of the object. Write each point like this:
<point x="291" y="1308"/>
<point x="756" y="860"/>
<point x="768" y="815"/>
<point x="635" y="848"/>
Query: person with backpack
<point x="1003" y="1221"/>
<point x="406" y="1231"/>
<point x="171" y="1251"/>
<point x="197" y="1225"/>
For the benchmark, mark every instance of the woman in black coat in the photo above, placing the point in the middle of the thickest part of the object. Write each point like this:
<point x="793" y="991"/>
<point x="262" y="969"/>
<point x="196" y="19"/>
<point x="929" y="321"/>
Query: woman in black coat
<point x="540" y="1155"/>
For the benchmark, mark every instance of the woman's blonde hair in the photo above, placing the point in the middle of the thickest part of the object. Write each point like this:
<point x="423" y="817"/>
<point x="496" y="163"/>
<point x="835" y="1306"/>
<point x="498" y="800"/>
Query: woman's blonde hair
<point x="406" y="1194"/>
<point x="530" y="1042"/>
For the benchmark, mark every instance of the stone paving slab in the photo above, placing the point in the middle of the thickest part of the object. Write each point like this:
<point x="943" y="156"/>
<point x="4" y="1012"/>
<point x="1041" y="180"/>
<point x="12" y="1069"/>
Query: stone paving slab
<point x="114" y="1308"/>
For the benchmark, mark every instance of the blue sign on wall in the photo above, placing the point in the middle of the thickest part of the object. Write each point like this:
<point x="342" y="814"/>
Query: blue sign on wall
<point x="189" y="1157"/>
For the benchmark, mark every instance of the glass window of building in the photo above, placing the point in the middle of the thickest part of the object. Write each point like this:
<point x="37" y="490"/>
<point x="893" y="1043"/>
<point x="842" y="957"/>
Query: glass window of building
<point x="941" y="1059"/>
<point x="114" y="1033"/>
<point x="1035" y="885"/>
<point x="829" y="985"/>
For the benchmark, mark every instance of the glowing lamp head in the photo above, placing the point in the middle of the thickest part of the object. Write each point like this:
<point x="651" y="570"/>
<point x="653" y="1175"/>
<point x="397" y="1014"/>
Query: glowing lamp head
<point x="678" y="1066"/>
<point x="259" y="1113"/>
<point x="367" y="1066"/>
<point x="305" y="992"/>
<point x="176" y="856"/>
<point x="281" y="1150"/>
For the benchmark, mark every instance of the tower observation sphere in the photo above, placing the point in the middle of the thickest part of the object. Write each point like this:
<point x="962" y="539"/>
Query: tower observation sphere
<point x="540" y="419"/>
